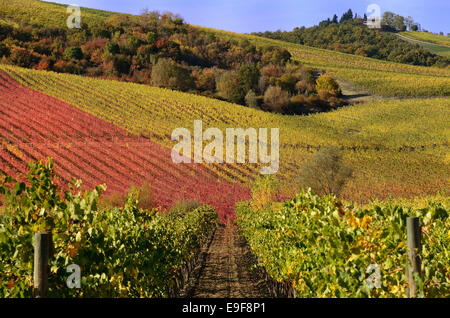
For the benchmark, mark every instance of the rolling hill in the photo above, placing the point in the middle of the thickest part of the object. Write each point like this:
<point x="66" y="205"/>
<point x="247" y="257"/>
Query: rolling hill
<point x="34" y="126"/>
<point x="436" y="44"/>
<point x="397" y="147"/>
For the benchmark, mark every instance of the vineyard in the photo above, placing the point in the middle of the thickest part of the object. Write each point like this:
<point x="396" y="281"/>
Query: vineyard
<point x="69" y="143"/>
<point x="428" y="37"/>
<point x="380" y="77"/>
<point x="97" y="152"/>
<point x="122" y="252"/>
<point x="321" y="248"/>
<point x="397" y="148"/>
<point x="43" y="13"/>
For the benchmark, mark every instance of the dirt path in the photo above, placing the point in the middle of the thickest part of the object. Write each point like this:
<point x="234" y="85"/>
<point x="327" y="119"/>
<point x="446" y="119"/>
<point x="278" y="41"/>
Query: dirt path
<point x="355" y="95"/>
<point x="225" y="269"/>
<point x="411" y="40"/>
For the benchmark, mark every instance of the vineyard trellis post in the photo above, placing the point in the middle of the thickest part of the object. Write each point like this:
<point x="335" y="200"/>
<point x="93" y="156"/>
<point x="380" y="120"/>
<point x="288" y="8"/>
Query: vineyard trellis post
<point x="42" y="247"/>
<point x="413" y="263"/>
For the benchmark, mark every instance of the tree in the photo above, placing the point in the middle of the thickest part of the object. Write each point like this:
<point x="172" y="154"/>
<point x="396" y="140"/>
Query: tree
<point x="399" y="23"/>
<point x="335" y="19"/>
<point x="326" y="172"/>
<point x="414" y="27"/>
<point x="328" y="84"/>
<point x="251" y="100"/>
<point x="121" y="64"/>
<point x="248" y="76"/>
<point x="388" y="18"/>
<point x="112" y="48"/>
<point x="167" y="73"/>
<point x="409" y="22"/>
<point x="73" y="52"/>
<point x="347" y="16"/>
<point x="228" y="87"/>
<point x="276" y="99"/>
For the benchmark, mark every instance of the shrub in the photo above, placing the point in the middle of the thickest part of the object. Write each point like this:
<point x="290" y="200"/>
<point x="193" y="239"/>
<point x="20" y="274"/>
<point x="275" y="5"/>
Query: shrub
<point x="167" y="73"/>
<point x="326" y="172"/>
<point x="248" y="76"/>
<point x="276" y="99"/>
<point x="327" y="83"/>
<point x="73" y="52"/>
<point x="23" y="57"/>
<point x="184" y="206"/>
<point x="228" y="87"/>
<point x="4" y="50"/>
<point x="251" y="100"/>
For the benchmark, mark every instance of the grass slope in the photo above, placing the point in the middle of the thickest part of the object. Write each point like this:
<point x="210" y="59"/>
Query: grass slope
<point x="431" y="44"/>
<point x="428" y="37"/>
<point x="46" y="13"/>
<point x="34" y="126"/>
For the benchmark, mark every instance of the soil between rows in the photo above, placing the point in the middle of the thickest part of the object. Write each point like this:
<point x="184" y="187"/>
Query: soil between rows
<point x="225" y="269"/>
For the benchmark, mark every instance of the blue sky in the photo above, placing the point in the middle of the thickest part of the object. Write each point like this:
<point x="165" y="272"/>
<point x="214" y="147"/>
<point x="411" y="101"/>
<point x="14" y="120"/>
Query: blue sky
<point x="262" y="15"/>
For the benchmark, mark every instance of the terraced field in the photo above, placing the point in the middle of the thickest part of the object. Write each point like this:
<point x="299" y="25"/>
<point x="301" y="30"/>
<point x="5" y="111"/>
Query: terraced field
<point x="34" y="126"/>
<point x="397" y="147"/>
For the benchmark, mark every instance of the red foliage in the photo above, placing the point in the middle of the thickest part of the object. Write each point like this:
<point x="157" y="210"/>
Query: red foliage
<point x="34" y="126"/>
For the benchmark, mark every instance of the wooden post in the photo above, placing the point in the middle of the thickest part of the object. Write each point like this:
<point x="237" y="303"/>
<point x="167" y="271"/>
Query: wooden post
<point x="41" y="254"/>
<point x="413" y="260"/>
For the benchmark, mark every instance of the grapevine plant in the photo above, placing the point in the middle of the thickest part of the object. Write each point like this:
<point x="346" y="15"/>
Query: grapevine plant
<point x="325" y="249"/>
<point x="122" y="252"/>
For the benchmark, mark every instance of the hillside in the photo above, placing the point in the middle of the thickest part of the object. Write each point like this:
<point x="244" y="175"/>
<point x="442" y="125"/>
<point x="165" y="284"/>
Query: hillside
<point x="354" y="37"/>
<point x="88" y="148"/>
<point x="398" y="148"/>
<point x="437" y="44"/>
<point x="54" y="15"/>
<point x="428" y="37"/>
<point x="381" y="139"/>
<point x="383" y="78"/>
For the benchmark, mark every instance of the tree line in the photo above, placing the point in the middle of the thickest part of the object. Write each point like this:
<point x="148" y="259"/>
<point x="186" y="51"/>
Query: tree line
<point x="349" y="34"/>
<point x="162" y="50"/>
